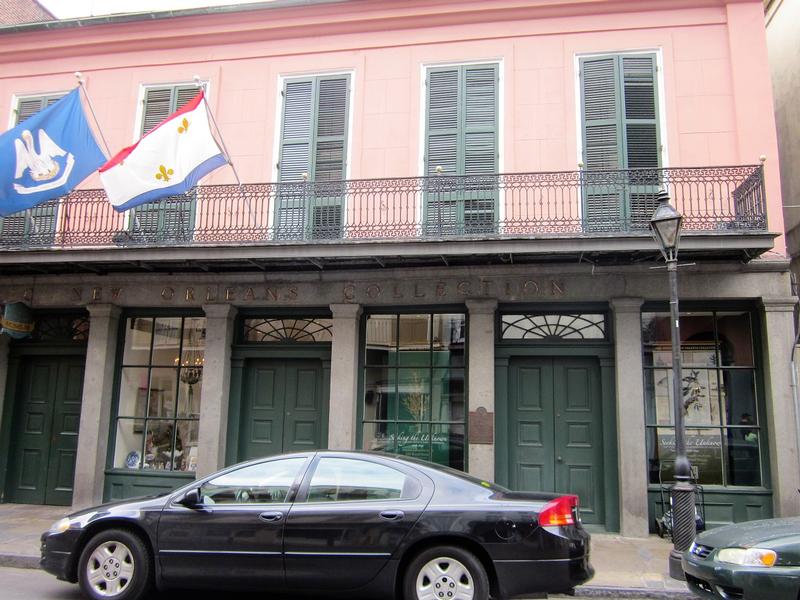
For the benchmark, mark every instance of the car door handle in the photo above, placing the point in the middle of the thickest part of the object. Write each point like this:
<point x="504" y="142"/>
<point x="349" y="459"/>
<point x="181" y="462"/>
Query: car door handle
<point x="392" y="515"/>
<point x="271" y="517"/>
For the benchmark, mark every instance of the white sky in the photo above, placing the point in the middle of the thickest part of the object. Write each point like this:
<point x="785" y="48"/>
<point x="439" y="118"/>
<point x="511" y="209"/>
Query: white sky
<point x="67" y="9"/>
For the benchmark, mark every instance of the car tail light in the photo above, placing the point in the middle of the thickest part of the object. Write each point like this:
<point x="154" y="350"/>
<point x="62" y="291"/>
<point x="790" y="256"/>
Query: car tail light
<point x="560" y="511"/>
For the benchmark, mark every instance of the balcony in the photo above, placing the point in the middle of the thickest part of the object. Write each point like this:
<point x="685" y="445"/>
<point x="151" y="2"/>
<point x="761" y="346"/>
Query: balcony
<point x="599" y="215"/>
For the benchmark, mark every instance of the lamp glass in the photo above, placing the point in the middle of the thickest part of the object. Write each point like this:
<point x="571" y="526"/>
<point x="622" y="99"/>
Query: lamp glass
<point x="666" y="223"/>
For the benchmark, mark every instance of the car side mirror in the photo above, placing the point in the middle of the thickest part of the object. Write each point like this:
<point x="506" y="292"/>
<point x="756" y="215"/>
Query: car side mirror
<point x="191" y="499"/>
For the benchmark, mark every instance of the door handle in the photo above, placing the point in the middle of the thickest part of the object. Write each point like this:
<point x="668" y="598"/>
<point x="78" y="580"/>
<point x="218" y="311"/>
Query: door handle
<point x="392" y="515"/>
<point x="271" y="517"/>
<point x="559" y="459"/>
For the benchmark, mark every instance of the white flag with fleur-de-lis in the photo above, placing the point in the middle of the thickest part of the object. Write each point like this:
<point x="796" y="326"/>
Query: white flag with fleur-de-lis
<point x="168" y="160"/>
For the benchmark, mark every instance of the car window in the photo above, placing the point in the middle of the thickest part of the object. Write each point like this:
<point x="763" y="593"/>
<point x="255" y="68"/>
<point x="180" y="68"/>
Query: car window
<point x="266" y="482"/>
<point x="344" y="479"/>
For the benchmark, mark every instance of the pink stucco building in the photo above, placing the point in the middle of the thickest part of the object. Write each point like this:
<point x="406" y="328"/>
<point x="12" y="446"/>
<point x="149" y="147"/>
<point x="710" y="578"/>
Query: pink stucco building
<point x="440" y="248"/>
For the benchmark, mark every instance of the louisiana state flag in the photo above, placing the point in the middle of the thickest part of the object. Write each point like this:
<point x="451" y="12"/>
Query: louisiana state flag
<point x="168" y="160"/>
<point x="46" y="155"/>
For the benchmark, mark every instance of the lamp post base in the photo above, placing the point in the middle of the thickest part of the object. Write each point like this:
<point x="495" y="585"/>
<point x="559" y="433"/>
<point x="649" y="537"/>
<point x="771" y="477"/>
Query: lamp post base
<point x="675" y="567"/>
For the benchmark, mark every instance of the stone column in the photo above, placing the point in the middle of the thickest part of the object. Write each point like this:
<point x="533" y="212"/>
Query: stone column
<point x="4" y="343"/>
<point x="778" y="338"/>
<point x="480" y="371"/>
<point x="344" y="377"/>
<point x="216" y="388"/>
<point x="98" y="390"/>
<point x="631" y="448"/>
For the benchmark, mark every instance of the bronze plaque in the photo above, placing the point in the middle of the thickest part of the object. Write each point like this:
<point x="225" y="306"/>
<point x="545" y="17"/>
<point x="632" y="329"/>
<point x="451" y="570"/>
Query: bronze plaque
<point x="481" y="426"/>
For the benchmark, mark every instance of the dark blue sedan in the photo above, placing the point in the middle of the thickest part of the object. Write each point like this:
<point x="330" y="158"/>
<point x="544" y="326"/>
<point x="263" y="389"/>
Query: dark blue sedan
<point x="347" y="523"/>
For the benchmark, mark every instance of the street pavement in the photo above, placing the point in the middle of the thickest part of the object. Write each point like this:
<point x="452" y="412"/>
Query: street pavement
<point x="33" y="584"/>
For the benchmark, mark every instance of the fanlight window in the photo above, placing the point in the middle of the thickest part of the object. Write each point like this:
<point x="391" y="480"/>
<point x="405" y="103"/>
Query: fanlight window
<point x="554" y="327"/>
<point x="267" y="331"/>
<point x="61" y="329"/>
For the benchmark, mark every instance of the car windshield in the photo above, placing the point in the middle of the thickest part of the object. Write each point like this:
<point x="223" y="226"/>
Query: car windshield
<point x="456" y="473"/>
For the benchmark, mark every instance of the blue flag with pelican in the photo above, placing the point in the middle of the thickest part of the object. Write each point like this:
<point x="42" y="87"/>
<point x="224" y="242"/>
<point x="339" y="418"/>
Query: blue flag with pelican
<point x="47" y="155"/>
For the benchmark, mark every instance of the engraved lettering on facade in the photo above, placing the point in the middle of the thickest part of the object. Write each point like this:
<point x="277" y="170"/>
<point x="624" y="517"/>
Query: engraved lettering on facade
<point x="487" y="286"/>
<point x="189" y="297"/>
<point x="557" y="288"/>
<point x="349" y="292"/>
<point x="530" y="287"/>
<point x="441" y="289"/>
<point x="396" y="293"/>
<point x="77" y="294"/>
<point x="211" y="294"/>
<point x="271" y="294"/>
<point x="249" y="294"/>
<point x="27" y="294"/>
<point x="417" y="292"/>
<point x="115" y="293"/>
<point x="463" y="288"/>
<point x="167" y="293"/>
<point x="230" y="294"/>
<point x="373" y="290"/>
<point x="97" y="293"/>
<point x="292" y="293"/>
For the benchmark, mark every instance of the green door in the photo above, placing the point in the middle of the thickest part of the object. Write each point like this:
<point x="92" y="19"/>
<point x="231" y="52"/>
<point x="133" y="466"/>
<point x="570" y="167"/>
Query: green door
<point x="282" y="407"/>
<point x="45" y="436"/>
<point x="555" y="430"/>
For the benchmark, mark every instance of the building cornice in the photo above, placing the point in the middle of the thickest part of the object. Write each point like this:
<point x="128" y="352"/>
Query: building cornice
<point x="289" y="19"/>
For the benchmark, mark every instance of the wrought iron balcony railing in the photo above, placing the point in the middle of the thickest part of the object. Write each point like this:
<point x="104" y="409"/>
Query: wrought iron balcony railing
<point x="528" y="205"/>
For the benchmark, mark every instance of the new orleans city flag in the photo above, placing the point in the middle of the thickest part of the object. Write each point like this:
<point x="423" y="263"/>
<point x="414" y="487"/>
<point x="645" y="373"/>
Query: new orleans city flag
<point x="168" y="160"/>
<point x="46" y="155"/>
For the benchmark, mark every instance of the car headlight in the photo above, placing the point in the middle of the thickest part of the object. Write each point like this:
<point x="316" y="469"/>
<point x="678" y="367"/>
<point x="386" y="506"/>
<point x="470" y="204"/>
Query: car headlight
<point x="749" y="557"/>
<point x="60" y="526"/>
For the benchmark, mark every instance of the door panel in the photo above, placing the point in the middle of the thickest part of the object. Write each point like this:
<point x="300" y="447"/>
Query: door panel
<point x="45" y="437"/>
<point x="556" y="425"/>
<point x="282" y="407"/>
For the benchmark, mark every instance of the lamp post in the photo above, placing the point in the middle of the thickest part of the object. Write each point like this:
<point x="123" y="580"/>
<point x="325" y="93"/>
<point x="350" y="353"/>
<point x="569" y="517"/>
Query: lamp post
<point x="666" y="227"/>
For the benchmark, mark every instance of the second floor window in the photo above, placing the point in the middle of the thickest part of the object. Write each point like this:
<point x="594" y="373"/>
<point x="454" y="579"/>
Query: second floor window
<point x="172" y="218"/>
<point x="313" y="151"/>
<point x="36" y="224"/>
<point x="619" y="110"/>
<point x="461" y="139"/>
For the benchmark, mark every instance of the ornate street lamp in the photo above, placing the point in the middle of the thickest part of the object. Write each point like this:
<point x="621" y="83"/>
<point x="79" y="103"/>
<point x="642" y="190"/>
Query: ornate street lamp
<point x="666" y="227"/>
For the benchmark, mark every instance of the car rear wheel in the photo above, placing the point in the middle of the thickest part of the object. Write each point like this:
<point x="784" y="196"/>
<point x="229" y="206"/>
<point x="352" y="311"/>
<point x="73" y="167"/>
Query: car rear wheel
<point x="115" y="565"/>
<point x="445" y="573"/>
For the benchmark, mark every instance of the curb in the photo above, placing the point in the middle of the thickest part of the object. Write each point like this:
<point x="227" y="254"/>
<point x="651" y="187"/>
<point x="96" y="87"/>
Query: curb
<point x="19" y="561"/>
<point x="590" y="591"/>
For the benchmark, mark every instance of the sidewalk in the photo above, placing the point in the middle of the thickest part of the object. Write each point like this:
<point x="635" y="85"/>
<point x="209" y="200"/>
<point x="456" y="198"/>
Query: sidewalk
<point x="625" y="567"/>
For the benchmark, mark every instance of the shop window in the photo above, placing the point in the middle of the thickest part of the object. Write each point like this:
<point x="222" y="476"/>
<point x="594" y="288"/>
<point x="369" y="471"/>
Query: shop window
<point x="553" y="327"/>
<point x="720" y="408"/>
<point x="160" y="383"/>
<point x="414" y="401"/>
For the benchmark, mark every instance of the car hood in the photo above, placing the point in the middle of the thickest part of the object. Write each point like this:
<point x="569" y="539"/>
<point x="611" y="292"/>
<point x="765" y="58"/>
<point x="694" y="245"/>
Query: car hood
<point x="752" y="533"/>
<point x="129" y="506"/>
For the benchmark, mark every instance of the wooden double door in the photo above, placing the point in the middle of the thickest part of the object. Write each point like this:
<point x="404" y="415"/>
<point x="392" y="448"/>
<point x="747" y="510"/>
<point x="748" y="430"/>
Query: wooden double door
<point x="44" y="436"/>
<point x="555" y="429"/>
<point x="283" y="407"/>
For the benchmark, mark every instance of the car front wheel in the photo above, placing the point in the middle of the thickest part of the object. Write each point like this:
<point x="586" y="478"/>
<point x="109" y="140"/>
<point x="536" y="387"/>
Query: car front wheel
<point x="445" y="573"/>
<point x="115" y="565"/>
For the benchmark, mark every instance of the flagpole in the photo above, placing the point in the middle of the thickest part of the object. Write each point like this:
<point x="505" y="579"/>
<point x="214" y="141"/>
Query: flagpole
<point x="202" y="85"/>
<point x="81" y="84"/>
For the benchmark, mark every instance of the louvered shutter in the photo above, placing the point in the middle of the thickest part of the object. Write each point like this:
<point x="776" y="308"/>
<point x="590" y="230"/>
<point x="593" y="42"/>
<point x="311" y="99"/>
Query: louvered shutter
<point x="641" y="137"/>
<point x="313" y="142"/>
<point x="170" y="219"/>
<point x="620" y="131"/>
<point x="480" y="147"/>
<point x="461" y="139"/>
<point x="329" y="158"/>
<point x="36" y="225"/>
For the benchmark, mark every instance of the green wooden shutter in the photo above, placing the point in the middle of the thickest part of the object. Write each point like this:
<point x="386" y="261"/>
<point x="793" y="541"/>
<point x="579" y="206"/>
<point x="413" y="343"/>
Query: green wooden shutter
<point x="169" y="219"/>
<point x="480" y="147"/>
<point x="313" y="142"/>
<point x="36" y="225"/>
<point x="461" y="139"/>
<point x="641" y="136"/>
<point x="620" y="131"/>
